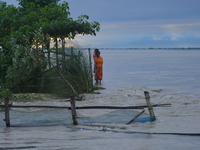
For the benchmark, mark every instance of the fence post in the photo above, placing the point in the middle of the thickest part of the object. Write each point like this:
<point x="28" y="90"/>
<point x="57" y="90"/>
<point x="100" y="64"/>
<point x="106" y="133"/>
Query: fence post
<point x="149" y="105"/>
<point x="7" y="117"/>
<point x="73" y="109"/>
<point x="90" y="62"/>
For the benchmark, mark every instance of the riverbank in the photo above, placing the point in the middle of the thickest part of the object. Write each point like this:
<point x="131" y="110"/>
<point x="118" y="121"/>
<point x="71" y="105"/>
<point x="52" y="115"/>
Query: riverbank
<point x="30" y="97"/>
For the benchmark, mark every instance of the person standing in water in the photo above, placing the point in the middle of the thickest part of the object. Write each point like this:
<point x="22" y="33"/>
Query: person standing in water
<point x="98" y="60"/>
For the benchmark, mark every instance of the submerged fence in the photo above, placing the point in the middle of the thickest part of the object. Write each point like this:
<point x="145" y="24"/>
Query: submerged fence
<point x="73" y="108"/>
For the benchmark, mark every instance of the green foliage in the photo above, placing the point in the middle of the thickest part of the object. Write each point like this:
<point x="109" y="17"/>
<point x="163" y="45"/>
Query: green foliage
<point x="25" y="64"/>
<point x="76" y="71"/>
<point x="5" y="62"/>
<point x="41" y="3"/>
<point x="98" y="88"/>
<point x="25" y="34"/>
<point x="84" y="27"/>
<point x="26" y="97"/>
<point x="5" y="93"/>
<point x="104" y="129"/>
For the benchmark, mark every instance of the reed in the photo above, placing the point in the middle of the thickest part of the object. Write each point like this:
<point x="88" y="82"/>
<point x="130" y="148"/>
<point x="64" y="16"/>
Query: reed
<point x="75" y="68"/>
<point x="68" y="61"/>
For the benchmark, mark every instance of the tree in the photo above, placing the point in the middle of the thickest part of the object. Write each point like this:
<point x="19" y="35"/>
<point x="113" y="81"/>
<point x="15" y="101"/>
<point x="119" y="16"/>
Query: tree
<point x="8" y="19"/>
<point x="41" y="3"/>
<point x="27" y="31"/>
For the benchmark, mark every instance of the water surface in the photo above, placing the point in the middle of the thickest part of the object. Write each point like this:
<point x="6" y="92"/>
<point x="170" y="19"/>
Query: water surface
<point x="171" y="76"/>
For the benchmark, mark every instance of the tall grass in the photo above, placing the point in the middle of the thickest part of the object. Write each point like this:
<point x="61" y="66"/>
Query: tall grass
<point x="75" y="68"/>
<point x="69" y="59"/>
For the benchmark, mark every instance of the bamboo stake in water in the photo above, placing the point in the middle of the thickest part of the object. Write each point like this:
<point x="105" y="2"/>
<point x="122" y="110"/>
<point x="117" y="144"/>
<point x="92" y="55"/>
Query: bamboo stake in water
<point x="149" y="105"/>
<point x="7" y="116"/>
<point x="73" y="109"/>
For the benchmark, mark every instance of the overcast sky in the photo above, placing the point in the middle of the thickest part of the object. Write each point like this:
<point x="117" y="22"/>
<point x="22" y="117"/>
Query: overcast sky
<point x="139" y="23"/>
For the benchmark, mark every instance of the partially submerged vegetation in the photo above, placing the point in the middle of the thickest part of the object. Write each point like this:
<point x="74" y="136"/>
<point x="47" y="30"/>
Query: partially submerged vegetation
<point x="37" y="53"/>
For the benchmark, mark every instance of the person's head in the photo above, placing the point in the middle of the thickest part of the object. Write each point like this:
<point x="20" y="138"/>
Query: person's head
<point x="97" y="52"/>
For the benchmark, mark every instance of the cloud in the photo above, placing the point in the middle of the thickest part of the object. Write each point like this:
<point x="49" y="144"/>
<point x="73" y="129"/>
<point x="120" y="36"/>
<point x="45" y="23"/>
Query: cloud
<point x="140" y="23"/>
<point x="173" y="39"/>
<point x="157" y="39"/>
<point x="153" y="20"/>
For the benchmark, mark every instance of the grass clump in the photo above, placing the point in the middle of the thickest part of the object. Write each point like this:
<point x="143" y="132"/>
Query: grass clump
<point x="26" y="97"/>
<point x="74" y="67"/>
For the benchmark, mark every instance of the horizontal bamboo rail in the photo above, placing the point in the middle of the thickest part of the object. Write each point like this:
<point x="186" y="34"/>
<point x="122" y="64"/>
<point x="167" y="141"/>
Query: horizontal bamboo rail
<point x="87" y="107"/>
<point x="21" y="147"/>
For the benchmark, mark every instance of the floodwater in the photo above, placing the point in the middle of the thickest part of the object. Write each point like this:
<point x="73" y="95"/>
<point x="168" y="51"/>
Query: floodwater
<point x="170" y="76"/>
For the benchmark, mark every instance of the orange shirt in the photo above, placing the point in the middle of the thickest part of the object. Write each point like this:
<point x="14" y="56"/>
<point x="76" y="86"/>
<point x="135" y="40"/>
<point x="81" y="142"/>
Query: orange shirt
<point x="98" y="68"/>
<point x="98" y="61"/>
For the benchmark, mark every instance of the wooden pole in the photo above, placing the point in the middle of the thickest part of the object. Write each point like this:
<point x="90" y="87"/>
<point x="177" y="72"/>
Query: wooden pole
<point x="138" y="115"/>
<point x="149" y="105"/>
<point x="72" y="55"/>
<point x="91" y="75"/>
<point x="7" y="117"/>
<point x="73" y="109"/>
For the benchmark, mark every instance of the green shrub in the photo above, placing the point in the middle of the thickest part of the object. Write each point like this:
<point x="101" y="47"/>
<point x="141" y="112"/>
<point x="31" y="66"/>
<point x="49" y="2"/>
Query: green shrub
<point x="5" y="92"/>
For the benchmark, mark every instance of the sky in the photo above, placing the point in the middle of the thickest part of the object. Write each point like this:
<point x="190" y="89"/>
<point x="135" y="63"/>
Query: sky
<point x="139" y="23"/>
